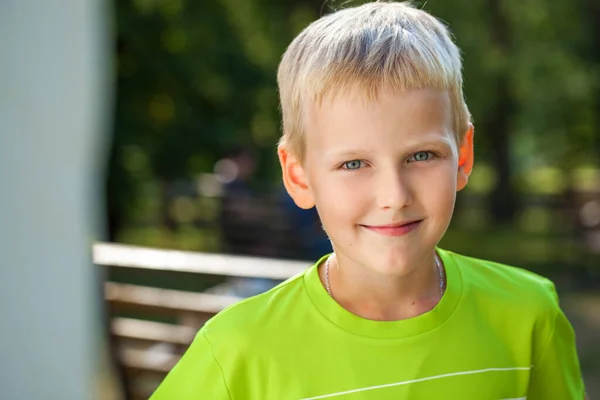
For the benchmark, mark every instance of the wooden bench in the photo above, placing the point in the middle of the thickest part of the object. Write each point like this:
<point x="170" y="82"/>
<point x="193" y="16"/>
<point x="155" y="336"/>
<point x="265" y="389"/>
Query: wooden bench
<point x="152" y="326"/>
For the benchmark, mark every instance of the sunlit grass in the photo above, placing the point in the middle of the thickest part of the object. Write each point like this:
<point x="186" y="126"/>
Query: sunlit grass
<point x="185" y="237"/>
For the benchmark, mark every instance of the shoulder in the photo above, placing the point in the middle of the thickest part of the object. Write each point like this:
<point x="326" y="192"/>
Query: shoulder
<point x="252" y="318"/>
<point x="510" y="286"/>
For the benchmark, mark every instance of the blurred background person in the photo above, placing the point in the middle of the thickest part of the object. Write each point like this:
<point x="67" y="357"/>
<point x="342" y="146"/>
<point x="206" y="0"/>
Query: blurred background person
<point x="239" y="219"/>
<point x="242" y="219"/>
<point x="306" y="235"/>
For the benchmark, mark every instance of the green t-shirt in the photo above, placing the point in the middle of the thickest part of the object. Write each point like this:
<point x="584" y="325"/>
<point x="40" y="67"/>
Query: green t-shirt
<point x="497" y="333"/>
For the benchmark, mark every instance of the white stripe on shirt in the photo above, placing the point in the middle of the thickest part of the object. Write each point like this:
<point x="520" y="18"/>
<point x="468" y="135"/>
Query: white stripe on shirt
<point x="420" y="380"/>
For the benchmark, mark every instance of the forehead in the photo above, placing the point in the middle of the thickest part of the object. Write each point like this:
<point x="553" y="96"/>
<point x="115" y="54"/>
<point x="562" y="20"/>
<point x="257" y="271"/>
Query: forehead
<point x="352" y="118"/>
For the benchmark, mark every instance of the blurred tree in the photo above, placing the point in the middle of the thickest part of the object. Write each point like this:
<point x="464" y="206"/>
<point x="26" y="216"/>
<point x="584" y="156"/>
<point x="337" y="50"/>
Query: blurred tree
<point x="528" y="86"/>
<point x="193" y="79"/>
<point x="591" y="13"/>
<point x="496" y="124"/>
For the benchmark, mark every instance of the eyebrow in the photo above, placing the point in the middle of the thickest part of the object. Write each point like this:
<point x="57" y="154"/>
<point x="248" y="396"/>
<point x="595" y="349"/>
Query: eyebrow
<point x="346" y="153"/>
<point x="432" y="138"/>
<point x="436" y="142"/>
<point x="445" y="143"/>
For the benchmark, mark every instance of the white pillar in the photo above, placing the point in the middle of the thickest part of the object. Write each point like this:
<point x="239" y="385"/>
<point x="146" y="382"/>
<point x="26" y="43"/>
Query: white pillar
<point x="54" y="62"/>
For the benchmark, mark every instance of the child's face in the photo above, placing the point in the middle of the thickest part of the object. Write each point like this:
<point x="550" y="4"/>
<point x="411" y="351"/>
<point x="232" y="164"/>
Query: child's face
<point x="372" y="167"/>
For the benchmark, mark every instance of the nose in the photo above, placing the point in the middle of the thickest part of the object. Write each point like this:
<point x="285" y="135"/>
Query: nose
<point x="393" y="189"/>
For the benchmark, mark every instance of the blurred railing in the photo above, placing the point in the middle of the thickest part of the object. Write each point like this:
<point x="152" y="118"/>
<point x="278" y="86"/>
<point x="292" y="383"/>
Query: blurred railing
<point x="150" y="326"/>
<point x="118" y="255"/>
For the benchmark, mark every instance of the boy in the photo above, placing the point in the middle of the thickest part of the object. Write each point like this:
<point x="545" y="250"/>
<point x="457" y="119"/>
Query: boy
<point x="377" y="136"/>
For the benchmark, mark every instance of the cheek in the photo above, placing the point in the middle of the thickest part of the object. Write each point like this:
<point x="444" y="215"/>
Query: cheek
<point x="437" y="189"/>
<point x="339" y="199"/>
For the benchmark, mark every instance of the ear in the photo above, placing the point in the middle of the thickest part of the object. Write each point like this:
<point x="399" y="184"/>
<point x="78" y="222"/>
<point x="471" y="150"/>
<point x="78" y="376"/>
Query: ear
<point x="294" y="178"/>
<point x="465" y="159"/>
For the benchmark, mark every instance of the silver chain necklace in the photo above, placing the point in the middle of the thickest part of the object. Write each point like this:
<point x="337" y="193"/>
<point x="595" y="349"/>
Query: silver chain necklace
<point x="437" y="264"/>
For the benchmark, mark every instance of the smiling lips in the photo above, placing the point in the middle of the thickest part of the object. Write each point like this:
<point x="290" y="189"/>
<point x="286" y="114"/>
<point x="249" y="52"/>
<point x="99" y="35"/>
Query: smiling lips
<point x="396" y="229"/>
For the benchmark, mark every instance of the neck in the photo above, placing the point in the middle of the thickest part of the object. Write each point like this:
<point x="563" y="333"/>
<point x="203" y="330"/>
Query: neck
<point x="373" y="295"/>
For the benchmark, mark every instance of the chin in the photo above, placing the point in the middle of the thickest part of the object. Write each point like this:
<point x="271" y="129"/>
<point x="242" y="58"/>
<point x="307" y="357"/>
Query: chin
<point x="394" y="265"/>
<point x="399" y="260"/>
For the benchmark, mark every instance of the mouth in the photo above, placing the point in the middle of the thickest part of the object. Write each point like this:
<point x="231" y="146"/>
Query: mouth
<point x="394" y="229"/>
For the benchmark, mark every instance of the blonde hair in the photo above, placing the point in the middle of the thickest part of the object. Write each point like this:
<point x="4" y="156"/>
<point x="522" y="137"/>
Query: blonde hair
<point x="374" y="46"/>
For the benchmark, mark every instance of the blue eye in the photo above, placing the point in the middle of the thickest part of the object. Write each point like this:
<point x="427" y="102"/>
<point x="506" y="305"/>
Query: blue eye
<point x="352" y="165"/>
<point x="421" y="156"/>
